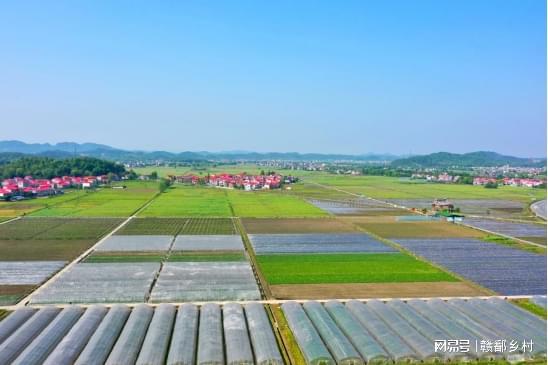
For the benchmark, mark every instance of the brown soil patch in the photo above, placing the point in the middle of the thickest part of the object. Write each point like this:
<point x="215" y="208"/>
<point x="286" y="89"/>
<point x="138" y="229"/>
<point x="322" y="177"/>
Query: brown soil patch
<point x="15" y="289"/>
<point x="299" y="225"/>
<point x="42" y="249"/>
<point x="375" y="290"/>
<point x="420" y="230"/>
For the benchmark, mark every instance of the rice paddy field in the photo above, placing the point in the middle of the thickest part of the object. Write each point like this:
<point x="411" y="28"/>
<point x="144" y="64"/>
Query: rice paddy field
<point x="103" y="202"/>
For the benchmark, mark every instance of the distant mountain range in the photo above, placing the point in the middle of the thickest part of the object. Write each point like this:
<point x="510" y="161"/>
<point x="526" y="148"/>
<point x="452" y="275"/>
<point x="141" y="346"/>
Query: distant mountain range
<point x="12" y="149"/>
<point x="71" y="149"/>
<point x="472" y="159"/>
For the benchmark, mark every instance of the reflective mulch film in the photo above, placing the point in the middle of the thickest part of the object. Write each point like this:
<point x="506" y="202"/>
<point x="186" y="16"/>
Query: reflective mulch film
<point x="317" y="243"/>
<point x="100" y="283"/>
<point x="502" y="269"/>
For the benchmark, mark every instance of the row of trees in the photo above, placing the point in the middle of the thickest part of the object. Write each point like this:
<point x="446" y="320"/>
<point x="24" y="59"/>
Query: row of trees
<point x="47" y="168"/>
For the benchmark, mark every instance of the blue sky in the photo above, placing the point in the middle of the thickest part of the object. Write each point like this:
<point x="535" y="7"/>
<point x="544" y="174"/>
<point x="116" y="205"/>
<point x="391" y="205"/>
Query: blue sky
<point x="308" y="76"/>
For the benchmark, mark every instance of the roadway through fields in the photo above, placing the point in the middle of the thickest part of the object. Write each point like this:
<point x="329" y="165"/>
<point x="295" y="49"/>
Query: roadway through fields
<point x="539" y="208"/>
<point x="23" y="302"/>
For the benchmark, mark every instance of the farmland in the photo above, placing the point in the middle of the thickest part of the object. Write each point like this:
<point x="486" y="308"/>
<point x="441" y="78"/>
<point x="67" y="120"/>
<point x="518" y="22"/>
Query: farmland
<point x="183" y="201"/>
<point x="103" y="202"/>
<point x="381" y="187"/>
<point x="190" y="201"/>
<point x="419" y="229"/>
<point x="296" y="225"/>
<point x="347" y="268"/>
<point x="14" y="209"/>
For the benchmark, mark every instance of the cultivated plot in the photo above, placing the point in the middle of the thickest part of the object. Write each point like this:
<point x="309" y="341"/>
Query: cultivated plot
<point x="103" y="202"/>
<point x="508" y="228"/>
<point x="223" y="226"/>
<point x="505" y="270"/>
<point x="135" y="243"/>
<point x="153" y="226"/>
<point x="316" y="243"/>
<point x="358" y="206"/>
<point x="407" y="229"/>
<point x="205" y="281"/>
<point x="188" y="334"/>
<point x="497" y="207"/>
<point x="208" y="243"/>
<point x="57" y="228"/>
<point x="296" y="225"/>
<point x="189" y="201"/>
<point x="271" y="204"/>
<point x="27" y="272"/>
<point x="100" y="283"/>
<point x="396" y="331"/>
<point x="347" y="268"/>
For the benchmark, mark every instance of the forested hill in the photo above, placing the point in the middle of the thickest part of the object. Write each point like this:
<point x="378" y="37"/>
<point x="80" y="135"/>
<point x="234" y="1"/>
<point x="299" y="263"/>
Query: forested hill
<point x="481" y="158"/>
<point x="46" y="168"/>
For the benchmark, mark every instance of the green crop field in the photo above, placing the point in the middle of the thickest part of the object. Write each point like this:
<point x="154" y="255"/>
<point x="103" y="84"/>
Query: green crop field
<point x="25" y="250"/>
<point x="14" y="209"/>
<point x="104" y="202"/>
<point x="347" y="268"/>
<point x="271" y="204"/>
<point x="57" y="228"/>
<point x="209" y="226"/>
<point x="235" y="168"/>
<point x="189" y="201"/>
<point x="153" y="226"/>
<point x="382" y="187"/>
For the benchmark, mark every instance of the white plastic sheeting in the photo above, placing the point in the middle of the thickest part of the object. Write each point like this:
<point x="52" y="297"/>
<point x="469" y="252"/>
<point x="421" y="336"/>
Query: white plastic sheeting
<point x="312" y="347"/>
<point x="261" y="335"/>
<point x="73" y="343"/>
<point x="100" y="283"/>
<point x="136" y="243"/>
<point x="24" y="335"/>
<point x="237" y="344"/>
<point x="208" y="243"/>
<point x="154" y="350"/>
<point x="210" y="337"/>
<point x="129" y="343"/>
<point x="39" y="349"/>
<point x="398" y="331"/>
<point x="27" y="272"/>
<point x="99" y="346"/>
<point x="184" y="337"/>
<point x="205" y="281"/>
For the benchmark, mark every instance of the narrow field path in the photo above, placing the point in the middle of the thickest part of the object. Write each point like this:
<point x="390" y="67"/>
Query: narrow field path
<point x="364" y="197"/>
<point x="272" y="301"/>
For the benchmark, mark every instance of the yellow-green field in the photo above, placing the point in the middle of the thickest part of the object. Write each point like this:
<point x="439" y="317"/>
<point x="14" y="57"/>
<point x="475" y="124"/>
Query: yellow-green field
<point x="103" y="202"/>
<point x="200" y="201"/>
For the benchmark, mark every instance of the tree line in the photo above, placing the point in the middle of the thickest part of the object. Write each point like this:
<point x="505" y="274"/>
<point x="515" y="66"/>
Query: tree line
<point x="47" y="168"/>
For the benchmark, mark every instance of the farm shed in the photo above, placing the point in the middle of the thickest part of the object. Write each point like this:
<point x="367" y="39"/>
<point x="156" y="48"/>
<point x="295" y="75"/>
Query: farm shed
<point x="140" y="335"/>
